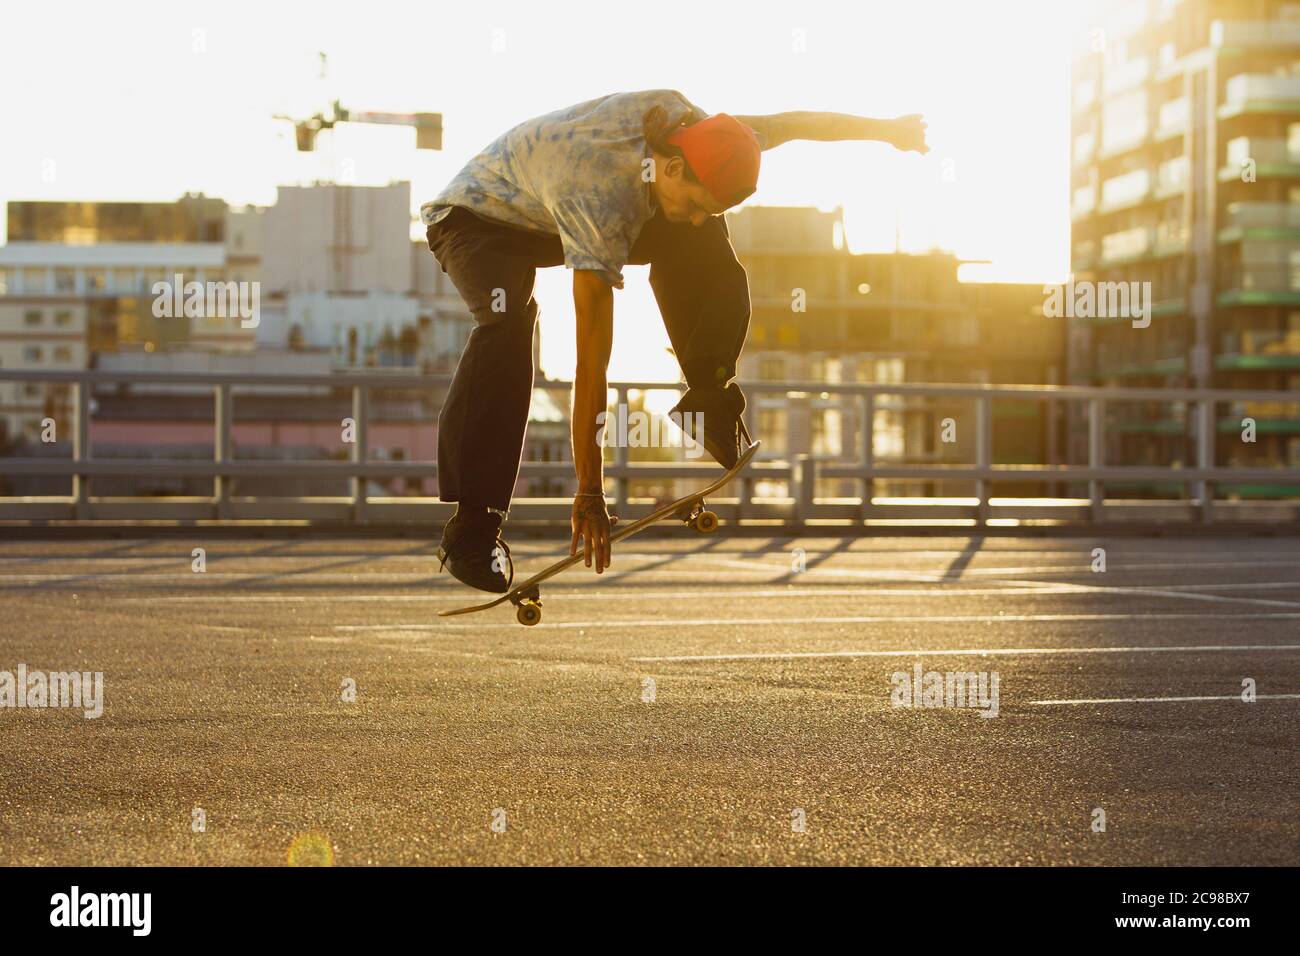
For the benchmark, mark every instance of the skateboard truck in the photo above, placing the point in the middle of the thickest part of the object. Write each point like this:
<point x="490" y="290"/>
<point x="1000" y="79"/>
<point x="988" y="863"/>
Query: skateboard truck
<point x="697" y="517"/>
<point x="528" y="606"/>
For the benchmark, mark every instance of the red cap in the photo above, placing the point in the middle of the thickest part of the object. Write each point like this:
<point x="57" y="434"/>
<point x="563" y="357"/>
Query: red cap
<point x="723" y="154"/>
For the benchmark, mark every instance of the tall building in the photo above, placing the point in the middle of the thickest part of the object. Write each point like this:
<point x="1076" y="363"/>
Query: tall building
<point x="823" y="314"/>
<point x="1186" y="175"/>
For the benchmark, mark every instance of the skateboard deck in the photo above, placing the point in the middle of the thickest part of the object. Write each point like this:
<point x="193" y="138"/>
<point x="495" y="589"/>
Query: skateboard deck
<point x="526" y="596"/>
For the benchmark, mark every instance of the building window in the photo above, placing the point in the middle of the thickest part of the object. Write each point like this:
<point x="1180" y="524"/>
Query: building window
<point x="771" y="369"/>
<point x="32" y="353"/>
<point x="887" y="436"/>
<point x="826" y="370"/>
<point x="772" y="429"/>
<point x="65" y="280"/>
<point x="63" y="318"/>
<point x="35" y="281"/>
<point x="62" y="354"/>
<point x="887" y="371"/>
<point x="124" y="280"/>
<point x="826" y="432"/>
<point x="32" y="318"/>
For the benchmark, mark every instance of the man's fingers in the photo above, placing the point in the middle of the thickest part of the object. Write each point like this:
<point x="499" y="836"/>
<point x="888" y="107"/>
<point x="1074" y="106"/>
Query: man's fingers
<point x="586" y="543"/>
<point x="573" y="543"/>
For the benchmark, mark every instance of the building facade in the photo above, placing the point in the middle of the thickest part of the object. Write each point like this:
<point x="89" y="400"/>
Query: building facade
<point x="1185" y="181"/>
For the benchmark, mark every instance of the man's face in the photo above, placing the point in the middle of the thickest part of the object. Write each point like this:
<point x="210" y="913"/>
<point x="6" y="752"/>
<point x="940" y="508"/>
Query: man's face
<point x="681" y="198"/>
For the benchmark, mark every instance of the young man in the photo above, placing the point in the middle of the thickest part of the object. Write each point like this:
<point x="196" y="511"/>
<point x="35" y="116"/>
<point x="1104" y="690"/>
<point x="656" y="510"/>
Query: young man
<point x="627" y="178"/>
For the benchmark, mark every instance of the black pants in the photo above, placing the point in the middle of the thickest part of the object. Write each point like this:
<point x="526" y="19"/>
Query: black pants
<point x="701" y="289"/>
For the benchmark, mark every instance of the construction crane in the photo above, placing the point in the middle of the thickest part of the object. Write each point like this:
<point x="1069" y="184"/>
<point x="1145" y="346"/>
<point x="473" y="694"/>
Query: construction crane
<point x="428" y="126"/>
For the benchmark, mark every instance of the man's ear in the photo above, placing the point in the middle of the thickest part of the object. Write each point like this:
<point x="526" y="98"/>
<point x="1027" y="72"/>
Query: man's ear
<point x="674" y="167"/>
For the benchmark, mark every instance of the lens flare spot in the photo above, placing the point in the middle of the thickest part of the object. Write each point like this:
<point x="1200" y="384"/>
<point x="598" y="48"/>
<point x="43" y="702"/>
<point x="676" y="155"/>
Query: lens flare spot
<point x="311" y="849"/>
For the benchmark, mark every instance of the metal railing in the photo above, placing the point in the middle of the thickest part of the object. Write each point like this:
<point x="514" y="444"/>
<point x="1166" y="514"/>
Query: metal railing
<point x="801" y="474"/>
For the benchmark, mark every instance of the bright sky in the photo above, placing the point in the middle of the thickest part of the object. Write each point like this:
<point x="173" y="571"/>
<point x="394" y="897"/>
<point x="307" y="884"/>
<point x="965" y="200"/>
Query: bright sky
<point x="148" y="100"/>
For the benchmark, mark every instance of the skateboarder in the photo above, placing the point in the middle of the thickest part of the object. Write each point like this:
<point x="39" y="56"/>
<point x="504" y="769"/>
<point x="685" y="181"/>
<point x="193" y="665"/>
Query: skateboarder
<point x="627" y="178"/>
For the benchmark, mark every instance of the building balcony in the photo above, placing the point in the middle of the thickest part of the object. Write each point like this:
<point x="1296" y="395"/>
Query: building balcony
<point x="1267" y="284"/>
<point x="1170" y="365"/>
<point x="1227" y="425"/>
<point x="1127" y="245"/>
<point x="1241" y="36"/>
<point x="1134" y="245"/>
<point x="1258" y="93"/>
<point x="1259" y="350"/>
<point x="1258" y="363"/>
<point x="1118" y="142"/>
<point x="1272" y="156"/>
<point x="1126" y="191"/>
<point x="1270" y="216"/>
<point x="1172" y="119"/>
<point x="1125" y="76"/>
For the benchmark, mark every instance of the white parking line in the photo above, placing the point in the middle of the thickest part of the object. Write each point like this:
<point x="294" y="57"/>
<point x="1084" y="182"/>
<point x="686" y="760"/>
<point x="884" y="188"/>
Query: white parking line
<point x="922" y="574"/>
<point x="449" y="592"/>
<point x="1163" y="592"/>
<point x="1159" y="700"/>
<point x="978" y="652"/>
<point x="804" y="623"/>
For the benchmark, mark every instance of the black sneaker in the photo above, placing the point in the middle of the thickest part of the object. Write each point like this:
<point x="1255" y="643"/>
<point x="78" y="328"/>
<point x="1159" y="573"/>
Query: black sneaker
<point x="475" y="553"/>
<point x="720" y="408"/>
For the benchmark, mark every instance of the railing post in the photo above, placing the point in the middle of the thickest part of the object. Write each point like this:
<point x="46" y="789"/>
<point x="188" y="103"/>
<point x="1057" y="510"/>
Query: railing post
<point x="360" y="446"/>
<point x="803" y="476"/>
<point x="983" y="453"/>
<point x="1096" y="456"/>
<point x="621" y="456"/>
<point x="223" y="417"/>
<point x="746" y="493"/>
<point x="81" y="450"/>
<point x="866" y="453"/>
<point x="1205" y="441"/>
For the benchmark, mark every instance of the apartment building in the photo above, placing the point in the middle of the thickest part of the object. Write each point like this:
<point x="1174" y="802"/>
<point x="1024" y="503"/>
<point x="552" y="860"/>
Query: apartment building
<point x="1186" y="175"/>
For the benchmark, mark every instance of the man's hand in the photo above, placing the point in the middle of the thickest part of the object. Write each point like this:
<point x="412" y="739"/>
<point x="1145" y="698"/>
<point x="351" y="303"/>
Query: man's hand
<point x="591" y="523"/>
<point x="908" y="133"/>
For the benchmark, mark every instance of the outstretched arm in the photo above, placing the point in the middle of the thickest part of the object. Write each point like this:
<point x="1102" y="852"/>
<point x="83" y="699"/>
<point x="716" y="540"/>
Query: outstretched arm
<point x="905" y="132"/>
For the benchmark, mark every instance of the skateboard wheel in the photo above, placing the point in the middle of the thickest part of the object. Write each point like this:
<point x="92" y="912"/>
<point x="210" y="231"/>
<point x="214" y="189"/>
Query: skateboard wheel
<point x="706" y="522"/>
<point x="528" y="614"/>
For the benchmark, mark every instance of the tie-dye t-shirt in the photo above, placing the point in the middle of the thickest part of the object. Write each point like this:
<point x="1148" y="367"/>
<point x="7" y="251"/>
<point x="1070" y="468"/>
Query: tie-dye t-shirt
<point x="576" y="173"/>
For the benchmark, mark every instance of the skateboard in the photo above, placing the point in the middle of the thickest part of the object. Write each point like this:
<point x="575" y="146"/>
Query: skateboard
<point x="690" y="509"/>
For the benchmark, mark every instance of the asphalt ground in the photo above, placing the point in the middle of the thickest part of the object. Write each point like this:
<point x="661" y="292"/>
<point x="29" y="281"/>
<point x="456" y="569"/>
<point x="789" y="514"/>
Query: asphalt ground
<point x="709" y="700"/>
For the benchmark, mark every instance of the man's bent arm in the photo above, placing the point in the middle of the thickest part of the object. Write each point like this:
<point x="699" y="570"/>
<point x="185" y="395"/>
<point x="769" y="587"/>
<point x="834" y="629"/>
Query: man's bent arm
<point x="905" y="132"/>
